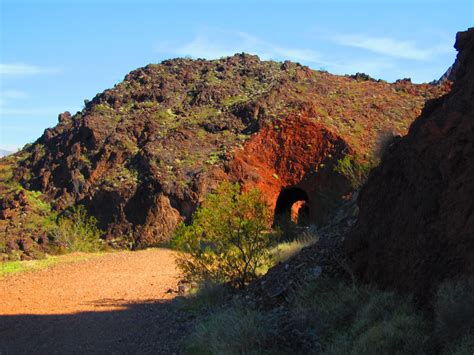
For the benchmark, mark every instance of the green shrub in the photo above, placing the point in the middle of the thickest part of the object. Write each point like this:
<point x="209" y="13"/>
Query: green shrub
<point x="226" y="242"/>
<point x="78" y="232"/>
<point x="353" y="170"/>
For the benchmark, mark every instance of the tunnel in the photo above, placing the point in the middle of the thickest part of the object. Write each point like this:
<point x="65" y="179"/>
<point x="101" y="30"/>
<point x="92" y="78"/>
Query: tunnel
<point x="288" y="199"/>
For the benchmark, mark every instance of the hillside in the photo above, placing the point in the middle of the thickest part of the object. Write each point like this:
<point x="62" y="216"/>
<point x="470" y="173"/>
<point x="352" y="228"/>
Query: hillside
<point x="416" y="221"/>
<point x="142" y="155"/>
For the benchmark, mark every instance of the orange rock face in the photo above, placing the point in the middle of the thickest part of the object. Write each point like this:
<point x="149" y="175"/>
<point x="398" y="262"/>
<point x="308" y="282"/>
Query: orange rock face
<point x="298" y="210"/>
<point x="296" y="156"/>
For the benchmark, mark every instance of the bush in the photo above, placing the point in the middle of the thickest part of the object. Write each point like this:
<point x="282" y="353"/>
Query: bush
<point x="353" y="170"/>
<point x="227" y="240"/>
<point x="78" y="232"/>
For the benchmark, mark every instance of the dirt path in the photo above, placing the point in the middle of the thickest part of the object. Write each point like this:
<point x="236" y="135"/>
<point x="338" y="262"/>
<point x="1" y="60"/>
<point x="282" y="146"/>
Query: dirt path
<point x="119" y="302"/>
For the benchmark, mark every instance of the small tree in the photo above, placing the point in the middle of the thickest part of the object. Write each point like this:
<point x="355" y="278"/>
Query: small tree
<point x="227" y="240"/>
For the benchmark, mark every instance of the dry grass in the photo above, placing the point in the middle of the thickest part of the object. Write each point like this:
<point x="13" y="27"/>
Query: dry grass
<point x="15" y="267"/>
<point x="331" y="317"/>
<point x="235" y="330"/>
<point x="285" y="251"/>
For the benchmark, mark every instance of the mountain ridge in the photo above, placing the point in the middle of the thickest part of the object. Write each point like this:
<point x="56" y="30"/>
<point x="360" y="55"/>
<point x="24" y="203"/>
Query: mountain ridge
<point x="142" y="155"/>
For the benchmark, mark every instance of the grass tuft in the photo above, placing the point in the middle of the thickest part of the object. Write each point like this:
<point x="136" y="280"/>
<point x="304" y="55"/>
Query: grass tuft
<point x="205" y="296"/>
<point x="326" y="316"/>
<point x="17" y="267"/>
<point x="235" y="330"/>
<point x="286" y="250"/>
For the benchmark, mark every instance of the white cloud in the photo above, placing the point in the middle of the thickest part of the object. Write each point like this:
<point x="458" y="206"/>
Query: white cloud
<point x="212" y="44"/>
<point x="217" y="43"/>
<point x="383" y="57"/>
<point x="389" y="46"/>
<point x="24" y="69"/>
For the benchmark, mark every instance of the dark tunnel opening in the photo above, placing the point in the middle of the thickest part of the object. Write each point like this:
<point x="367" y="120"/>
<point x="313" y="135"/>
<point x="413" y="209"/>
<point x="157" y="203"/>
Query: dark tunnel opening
<point x="292" y="206"/>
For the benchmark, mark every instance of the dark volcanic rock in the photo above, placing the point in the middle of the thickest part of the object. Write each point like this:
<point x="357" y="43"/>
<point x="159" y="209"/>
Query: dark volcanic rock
<point x="141" y="156"/>
<point x="416" y="221"/>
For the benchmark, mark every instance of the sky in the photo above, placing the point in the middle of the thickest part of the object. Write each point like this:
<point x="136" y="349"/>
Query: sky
<point x="55" y="54"/>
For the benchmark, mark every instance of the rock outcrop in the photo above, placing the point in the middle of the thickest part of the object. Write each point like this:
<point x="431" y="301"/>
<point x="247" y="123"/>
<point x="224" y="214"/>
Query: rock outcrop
<point x="142" y="155"/>
<point x="416" y="221"/>
<point x="291" y="161"/>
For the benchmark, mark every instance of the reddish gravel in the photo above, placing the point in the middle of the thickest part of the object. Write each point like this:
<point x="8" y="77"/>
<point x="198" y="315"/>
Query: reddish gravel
<point x="119" y="302"/>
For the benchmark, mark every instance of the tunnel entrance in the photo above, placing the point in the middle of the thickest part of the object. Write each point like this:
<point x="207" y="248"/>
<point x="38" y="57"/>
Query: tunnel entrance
<point x="292" y="206"/>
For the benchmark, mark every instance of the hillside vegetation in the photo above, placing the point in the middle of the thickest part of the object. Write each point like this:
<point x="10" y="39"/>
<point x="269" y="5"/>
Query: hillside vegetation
<point x="142" y="155"/>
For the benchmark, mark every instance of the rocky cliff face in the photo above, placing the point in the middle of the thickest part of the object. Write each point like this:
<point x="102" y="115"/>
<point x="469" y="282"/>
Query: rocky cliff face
<point x="142" y="155"/>
<point x="416" y="221"/>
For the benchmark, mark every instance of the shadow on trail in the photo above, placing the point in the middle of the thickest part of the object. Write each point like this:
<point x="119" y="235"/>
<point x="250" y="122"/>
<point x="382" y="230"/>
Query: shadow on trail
<point x="149" y="327"/>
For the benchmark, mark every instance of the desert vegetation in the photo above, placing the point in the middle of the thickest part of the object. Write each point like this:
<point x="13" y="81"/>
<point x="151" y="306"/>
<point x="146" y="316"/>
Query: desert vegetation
<point x="168" y="129"/>
<point x="226" y="241"/>
<point x="223" y="202"/>
<point x="229" y="240"/>
<point x="313" y="250"/>
<point x="331" y="316"/>
<point x="28" y="213"/>
<point x="77" y="232"/>
<point x="73" y="232"/>
<point x="328" y="315"/>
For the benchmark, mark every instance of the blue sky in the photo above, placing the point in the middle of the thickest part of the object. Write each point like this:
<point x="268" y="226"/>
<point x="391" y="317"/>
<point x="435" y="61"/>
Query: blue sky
<point x="55" y="54"/>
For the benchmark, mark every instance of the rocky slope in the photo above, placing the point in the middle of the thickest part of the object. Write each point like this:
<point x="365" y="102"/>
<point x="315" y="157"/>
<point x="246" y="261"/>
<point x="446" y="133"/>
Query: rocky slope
<point x="416" y="221"/>
<point x="142" y="155"/>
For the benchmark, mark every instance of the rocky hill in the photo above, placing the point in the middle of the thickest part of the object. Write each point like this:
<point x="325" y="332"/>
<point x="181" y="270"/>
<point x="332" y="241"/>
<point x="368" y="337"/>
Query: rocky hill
<point x="142" y="155"/>
<point x="416" y="221"/>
